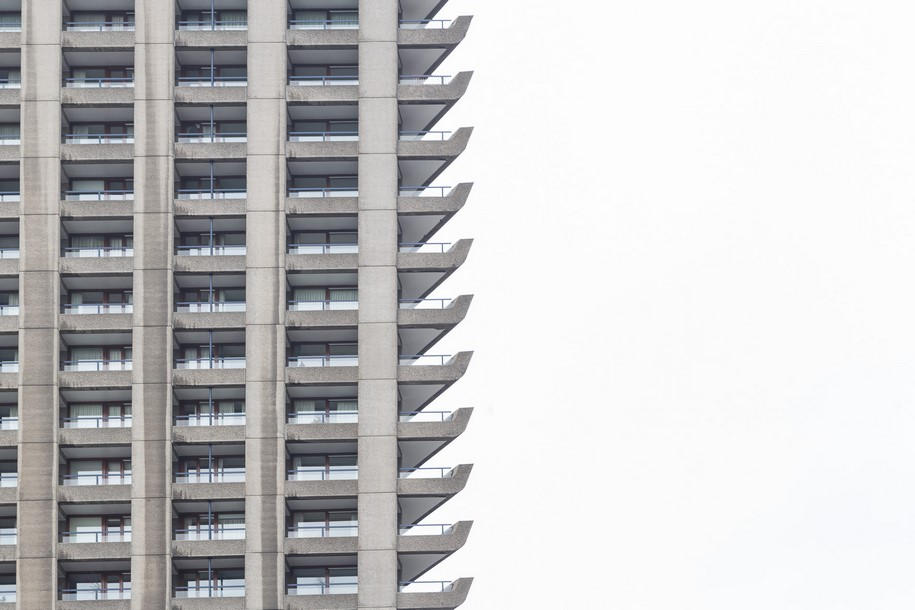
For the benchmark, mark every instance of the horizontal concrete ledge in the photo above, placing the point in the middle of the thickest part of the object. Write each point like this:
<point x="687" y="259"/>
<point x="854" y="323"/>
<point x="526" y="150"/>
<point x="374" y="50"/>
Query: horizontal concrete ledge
<point x="97" y="40"/>
<point x="429" y="37"/>
<point x="436" y="318"/>
<point x="435" y="261"/>
<point x="7" y="553"/>
<point x="9" y="153"/>
<point x="211" y="95"/>
<point x="96" y="152"/>
<point x="95" y="436"/>
<point x="96" y="322"/>
<point x="322" y="319"/>
<point x="95" y="379"/>
<point x="453" y="370"/>
<point x="9" y="324"/>
<point x="93" y="493"/>
<point x="436" y="487"/>
<point x="452" y="428"/>
<point x="214" y="207"/>
<point x="208" y="548"/>
<point x="210" y="150"/>
<point x="9" y="97"/>
<point x="97" y="97"/>
<point x="445" y="543"/>
<point x="321" y="546"/>
<point x="224" y="319"/>
<point x="450" y="204"/>
<point x="209" y="264"/>
<point x="320" y="262"/>
<point x="436" y="149"/>
<point x="217" y="603"/>
<point x="320" y="432"/>
<point x="9" y="380"/>
<point x="219" y="38"/>
<point x="9" y="209"/>
<point x="323" y="206"/>
<point x="9" y="266"/>
<point x="10" y="40"/>
<point x="203" y="491"/>
<point x="319" y="375"/>
<point x="108" y="604"/>
<point x="94" y="209"/>
<point x="9" y="438"/>
<point x="445" y="94"/>
<point x="191" y="377"/>
<point x="318" y="489"/>
<point x="92" y="266"/>
<point x="316" y="94"/>
<point x="307" y="39"/>
<point x="93" y="550"/>
<point x="321" y="602"/>
<point x="318" y="151"/>
<point x="208" y="434"/>
<point x="8" y="495"/>
<point x="425" y="601"/>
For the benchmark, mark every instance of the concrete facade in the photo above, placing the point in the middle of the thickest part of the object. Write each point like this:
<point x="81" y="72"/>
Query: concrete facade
<point x="267" y="453"/>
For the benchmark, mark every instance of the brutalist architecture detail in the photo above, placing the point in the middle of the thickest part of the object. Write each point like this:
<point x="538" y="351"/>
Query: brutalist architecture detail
<point x="218" y="386"/>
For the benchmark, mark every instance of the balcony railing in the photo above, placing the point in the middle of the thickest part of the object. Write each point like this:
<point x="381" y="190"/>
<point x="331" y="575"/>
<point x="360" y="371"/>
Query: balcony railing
<point x="93" y="592"/>
<point x="215" y="307"/>
<point x="222" y="362"/>
<point x="108" y="195"/>
<point x="216" y="590"/>
<point x="9" y="196"/>
<point x="424" y="191"/>
<point x="324" y="191"/>
<point x="212" y="137"/>
<point x="9" y="310"/>
<point x="322" y="531"/>
<point x="425" y="247"/>
<point x="415" y="136"/>
<point x="9" y="140"/>
<point x="323" y="136"/>
<point x="80" y="479"/>
<point x="220" y="532"/>
<point x="425" y="529"/>
<point x="196" y="26"/>
<point x="96" y="308"/>
<point x="213" y="193"/>
<point x="10" y="83"/>
<point x="323" y="249"/>
<point x="97" y="83"/>
<point x="98" y="365"/>
<point x="9" y="366"/>
<point x="98" y="138"/>
<point x="11" y="26"/>
<point x="426" y="472"/>
<point x="323" y="361"/>
<point x="426" y="416"/>
<point x="109" y="252"/>
<point x="8" y="535"/>
<point x="7" y="592"/>
<point x="214" y="81"/>
<point x="225" y="475"/>
<point x="9" y="479"/>
<point x="9" y="423"/>
<point x="211" y="250"/>
<point x="425" y="24"/>
<point x="423" y="79"/>
<point x="94" y="536"/>
<point x="322" y="305"/>
<point x="323" y="417"/>
<point x="316" y="24"/>
<point x="425" y="586"/>
<point x="323" y="473"/>
<point x="9" y="253"/>
<point x="425" y="303"/>
<point x="425" y="360"/>
<point x="211" y="419"/>
<point x="322" y="81"/>
<point x="98" y="26"/>
<point x="347" y="587"/>
<point x="111" y="421"/>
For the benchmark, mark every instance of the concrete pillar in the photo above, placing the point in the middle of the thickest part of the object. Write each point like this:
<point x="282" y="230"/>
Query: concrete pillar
<point x="154" y="72"/>
<point x="378" y="351"/>
<point x="265" y="332"/>
<point x="39" y="294"/>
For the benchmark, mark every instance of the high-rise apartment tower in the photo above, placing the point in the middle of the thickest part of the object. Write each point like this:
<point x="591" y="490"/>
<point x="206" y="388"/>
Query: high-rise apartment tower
<point x="216" y="256"/>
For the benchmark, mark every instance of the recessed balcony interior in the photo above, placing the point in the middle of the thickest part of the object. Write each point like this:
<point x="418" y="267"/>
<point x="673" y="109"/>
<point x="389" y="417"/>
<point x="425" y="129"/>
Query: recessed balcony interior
<point x="92" y="523"/>
<point x="419" y="117"/>
<point x="211" y="123"/>
<point x="321" y="575"/>
<point x="93" y="352"/>
<point x="209" y="577"/>
<point x="8" y="535"/>
<point x="9" y="473"/>
<point x="97" y="181"/>
<point x="307" y="404"/>
<point x="96" y="408"/>
<point x="322" y="178"/>
<point x="414" y="397"/>
<point x="210" y="349"/>
<point x="93" y="465"/>
<point x="209" y="406"/>
<point x="213" y="236"/>
<point x="420" y="61"/>
<point x="9" y="410"/>
<point x="210" y="15"/>
<point x="99" y="15"/>
<point x="94" y="580"/>
<point x="330" y="517"/>
<point x="96" y="294"/>
<point x="9" y="239"/>
<point x="9" y="126"/>
<point x="320" y="123"/>
<point x="209" y="292"/>
<point x="10" y="15"/>
<point x="304" y="291"/>
<point x="96" y="238"/>
<point x="322" y="235"/>
<point x="322" y="348"/>
<point x="321" y="460"/>
<point x="210" y="180"/>
<point x="338" y="66"/>
<point x="98" y="69"/>
<point x="419" y="10"/>
<point x="9" y="296"/>
<point x="10" y="71"/>
<point x="209" y="520"/>
<point x="97" y="124"/>
<point x="9" y="182"/>
<point x="209" y="463"/>
<point x="9" y="353"/>
<point x="323" y="14"/>
<point x="222" y="67"/>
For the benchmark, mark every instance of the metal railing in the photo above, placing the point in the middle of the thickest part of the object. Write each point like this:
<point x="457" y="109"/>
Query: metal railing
<point x="95" y="593"/>
<point x="10" y="83"/>
<point x="322" y="361"/>
<point x="8" y="535"/>
<point x="210" y="25"/>
<point x="92" y="536"/>
<point x="9" y="196"/>
<point x="97" y="365"/>
<point x="98" y="26"/>
<point x="9" y="366"/>
<point x="425" y="247"/>
<point x="222" y="362"/>
<point x="323" y="136"/>
<point x="425" y="303"/>
<point x="9" y="310"/>
<point x="11" y="27"/>
<point x="323" y="249"/>
<point x="9" y="252"/>
<point x="323" y="473"/>
<point x="322" y="530"/>
<point x="9" y="140"/>
<point x="7" y="592"/>
<point x="212" y="81"/>
<point x="108" y="195"/>
<point x="425" y="586"/>
<point x="212" y="193"/>
<point x="212" y="137"/>
<point x="206" y="307"/>
<point x="425" y="360"/>
<point x="425" y="529"/>
<point x="322" y="305"/>
<point x="424" y="191"/>
<point x="425" y="24"/>
<point x="9" y="423"/>
<point x="96" y="308"/>
<point x="425" y="472"/>
<point x="96" y="83"/>
<point x="426" y="416"/>
<point x="316" y="24"/>
<point x="225" y="475"/>
<point x="324" y="191"/>
<point x="323" y="588"/>
<point x="323" y="81"/>
<point x="212" y="250"/>
<point x="415" y="136"/>
<point x="211" y="419"/>
<point x="103" y="252"/>
<point x="220" y="532"/>
<point x="9" y="479"/>
<point x="79" y="479"/>
<point x="423" y="79"/>
<point x="111" y="421"/>
<point x="322" y="417"/>
<point x="98" y="138"/>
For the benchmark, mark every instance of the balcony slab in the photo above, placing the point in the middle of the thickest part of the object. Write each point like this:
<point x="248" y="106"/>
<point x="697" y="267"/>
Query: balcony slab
<point x="323" y="319"/>
<point x="211" y="38"/>
<point x="97" y="266"/>
<point x="209" y="264"/>
<point x="96" y="322"/>
<point x="93" y="550"/>
<point x="95" y="379"/>
<point x="96" y="152"/>
<point x="319" y="489"/>
<point x="101" y="96"/>
<point x="93" y="493"/>
<point x="216" y="603"/>
<point x="321" y="602"/>
<point x="210" y="207"/>
<point x="208" y="434"/>
<point x="208" y="548"/>
<point x="211" y="95"/>
<point x="318" y="94"/>
<point x="222" y="319"/>
<point x="427" y="601"/>
<point x="340" y="545"/>
<point x="203" y="491"/>
<point x="205" y="377"/>
<point x="321" y="432"/>
<point x="95" y="436"/>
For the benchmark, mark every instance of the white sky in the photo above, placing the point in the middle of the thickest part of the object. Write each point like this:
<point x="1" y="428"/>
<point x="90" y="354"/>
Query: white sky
<point x="693" y="323"/>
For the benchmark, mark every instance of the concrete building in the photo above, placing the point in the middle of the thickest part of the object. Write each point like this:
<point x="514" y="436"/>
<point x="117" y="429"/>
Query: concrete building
<point x="216" y="380"/>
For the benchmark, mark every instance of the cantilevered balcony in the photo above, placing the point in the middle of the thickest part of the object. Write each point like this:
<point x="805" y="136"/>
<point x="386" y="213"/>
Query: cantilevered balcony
<point x="342" y="298"/>
<point x="95" y="581"/>
<point x="213" y="67"/>
<point x="209" y="124"/>
<point x="323" y="524"/>
<point x="96" y="295"/>
<point x="326" y="15"/>
<point x="202" y="467"/>
<point x="95" y="415"/>
<point x="120" y="19"/>
<point x="97" y="125"/>
<point x="111" y="467"/>
<point x="209" y="520"/>
<point x="323" y="186"/>
<point x="98" y="69"/>
<point x="209" y="577"/>
<point x="97" y="358"/>
<point x="218" y="15"/>
<point x="211" y="412"/>
<point x="205" y="414"/>
<point x="327" y="575"/>
<point x="87" y="182"/>
<point x="428" y="594"/>
<point x="318" y="461"/>
<point x="316" y="75"/>
<point x="102" y="527"/>
<point x="213" y="180"/>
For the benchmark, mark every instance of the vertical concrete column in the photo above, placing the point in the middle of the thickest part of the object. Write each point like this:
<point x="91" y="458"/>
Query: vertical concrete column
<point x="39" y="294"/>
<point x="378" y="349"/>
<point x="154" y="69"/>
<point x="265" y="290"/>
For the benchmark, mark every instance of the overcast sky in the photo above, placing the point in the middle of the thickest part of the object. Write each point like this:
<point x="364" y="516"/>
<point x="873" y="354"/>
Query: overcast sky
<point x="694" y="319"/>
